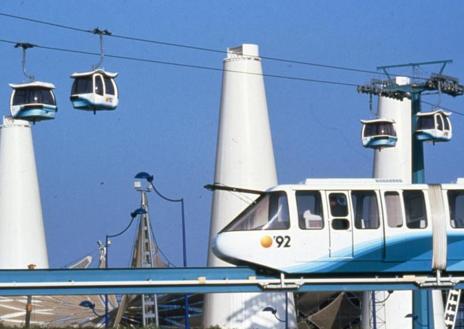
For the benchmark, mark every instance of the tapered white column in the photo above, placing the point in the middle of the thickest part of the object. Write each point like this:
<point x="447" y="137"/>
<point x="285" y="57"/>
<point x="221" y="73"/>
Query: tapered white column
<point x="396" y="162"/>
<point x="22" y="236"/>
<point x="244" y="158"/>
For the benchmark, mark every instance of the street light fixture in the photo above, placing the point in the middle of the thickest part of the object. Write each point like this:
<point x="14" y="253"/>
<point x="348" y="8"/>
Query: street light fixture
<point x="88" y="304"/>
<point x="274" y="311"/>
<point x="134" y="214"/>
<point x="149" y="179"/>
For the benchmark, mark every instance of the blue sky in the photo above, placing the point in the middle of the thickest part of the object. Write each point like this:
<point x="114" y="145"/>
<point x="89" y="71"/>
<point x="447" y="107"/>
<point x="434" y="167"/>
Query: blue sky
<point x="166" y="123"/>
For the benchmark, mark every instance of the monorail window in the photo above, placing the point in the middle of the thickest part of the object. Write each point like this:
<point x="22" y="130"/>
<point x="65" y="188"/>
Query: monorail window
<point x="414" y="206"/>
<point x="269" y="212"/>
<point x="365" y="209"/>
<point x="393" y="207"/>
<point x="309" y="206"/>
<point x="456" y="207"/>
<point x="338" y="205"/>
<point x="340" y="224"/>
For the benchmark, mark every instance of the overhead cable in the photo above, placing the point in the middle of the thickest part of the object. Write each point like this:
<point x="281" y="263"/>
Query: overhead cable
<point x="187" y="46"/>
<point x="186" y="65"/>
<point x="443" y="108"/>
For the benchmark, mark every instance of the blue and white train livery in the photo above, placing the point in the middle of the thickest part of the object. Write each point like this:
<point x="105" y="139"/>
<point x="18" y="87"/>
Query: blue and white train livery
<point x="350" y="226"/>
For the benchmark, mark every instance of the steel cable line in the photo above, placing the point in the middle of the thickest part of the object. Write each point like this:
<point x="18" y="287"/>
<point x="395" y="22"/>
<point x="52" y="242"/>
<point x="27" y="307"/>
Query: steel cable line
<point x="443" y="108"/>
<point x="187" y="46"/>
<point x="185" y="65"/>
<point x="153" y="61"/>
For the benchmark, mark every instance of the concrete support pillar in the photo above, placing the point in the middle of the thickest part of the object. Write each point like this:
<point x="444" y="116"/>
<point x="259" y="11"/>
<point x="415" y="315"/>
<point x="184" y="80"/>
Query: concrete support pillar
<point x="396" y="162"/>
<point x="22" y="235"/>
<point x="244" y="158"/>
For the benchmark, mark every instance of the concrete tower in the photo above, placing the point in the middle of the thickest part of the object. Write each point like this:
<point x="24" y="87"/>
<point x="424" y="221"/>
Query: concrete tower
<point x="396" y="162"/>
<point x="22" y="236"/>
<point x="244" y="158"/>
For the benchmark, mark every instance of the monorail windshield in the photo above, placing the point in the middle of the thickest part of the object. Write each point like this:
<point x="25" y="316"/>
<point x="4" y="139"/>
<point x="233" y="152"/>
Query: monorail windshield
<point x="269" y="212"/>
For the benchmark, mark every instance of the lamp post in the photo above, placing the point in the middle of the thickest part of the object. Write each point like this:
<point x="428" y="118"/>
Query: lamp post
<point x="88" y="304"/>
<point x="134" y="214"/>
<point x="149" y="179"/>
<point x="274" y="312"/>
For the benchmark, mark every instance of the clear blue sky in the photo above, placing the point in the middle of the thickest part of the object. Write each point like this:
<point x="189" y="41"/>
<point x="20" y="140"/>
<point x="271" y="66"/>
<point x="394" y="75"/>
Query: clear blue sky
<point x="166" y="123"/>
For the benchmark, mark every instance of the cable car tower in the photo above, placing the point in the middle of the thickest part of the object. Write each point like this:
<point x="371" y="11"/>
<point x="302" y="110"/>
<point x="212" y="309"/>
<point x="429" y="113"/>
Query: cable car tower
<point x="33" y="100"/>
<point x="432" y="126"/>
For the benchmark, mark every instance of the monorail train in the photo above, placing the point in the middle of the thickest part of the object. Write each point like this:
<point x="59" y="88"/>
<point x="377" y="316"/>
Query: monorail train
<point x="349" y="226"/>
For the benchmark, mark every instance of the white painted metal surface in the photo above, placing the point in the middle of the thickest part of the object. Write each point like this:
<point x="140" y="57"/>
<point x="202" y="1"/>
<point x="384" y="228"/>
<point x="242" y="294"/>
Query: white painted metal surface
<point x="396" y="162"/>
<point x="22" y="236"/>
<point x="244" y="158"/>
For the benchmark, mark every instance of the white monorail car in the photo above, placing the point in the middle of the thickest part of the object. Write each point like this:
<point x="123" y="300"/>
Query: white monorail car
<point x="349" y="226"/>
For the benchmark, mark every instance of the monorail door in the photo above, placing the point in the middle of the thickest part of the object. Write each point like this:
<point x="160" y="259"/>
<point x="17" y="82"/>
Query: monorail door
<point x="340" y="225"/>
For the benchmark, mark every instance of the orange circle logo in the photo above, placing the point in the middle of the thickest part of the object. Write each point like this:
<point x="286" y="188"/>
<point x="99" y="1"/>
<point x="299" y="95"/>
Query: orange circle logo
<point x="266" y="241"/>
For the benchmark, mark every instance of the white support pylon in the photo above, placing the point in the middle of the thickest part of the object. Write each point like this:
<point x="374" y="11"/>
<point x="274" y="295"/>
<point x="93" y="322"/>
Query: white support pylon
<point x="22" y="234"/>
<point x="244" y="158"/>
<point x="396" y="162"/>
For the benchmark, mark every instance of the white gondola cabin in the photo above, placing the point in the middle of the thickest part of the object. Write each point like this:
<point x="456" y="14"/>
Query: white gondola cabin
<point x="434" y="126"/>
<point x="33" y="101"/>
<point x="378" y="133"/>
<point x="94" y="91"/>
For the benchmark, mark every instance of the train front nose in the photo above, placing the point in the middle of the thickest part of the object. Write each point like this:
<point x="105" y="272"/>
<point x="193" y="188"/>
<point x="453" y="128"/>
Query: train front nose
<point x="217" y="246"/>
<point x="224" y="247"/>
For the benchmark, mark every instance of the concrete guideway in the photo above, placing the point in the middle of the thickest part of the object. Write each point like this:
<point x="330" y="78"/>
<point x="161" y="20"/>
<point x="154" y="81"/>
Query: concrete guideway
<point x="200" y="280"/>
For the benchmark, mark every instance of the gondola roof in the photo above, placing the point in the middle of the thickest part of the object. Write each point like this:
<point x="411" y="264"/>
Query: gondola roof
<point x="32" y="84"/>
<point x="421" y="114"/>
<point x="90" y="73"/>
<point x="378" y="120"/>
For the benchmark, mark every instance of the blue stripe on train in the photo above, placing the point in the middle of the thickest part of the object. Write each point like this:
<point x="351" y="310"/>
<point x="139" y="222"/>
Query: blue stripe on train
<point x="415" y="252"/>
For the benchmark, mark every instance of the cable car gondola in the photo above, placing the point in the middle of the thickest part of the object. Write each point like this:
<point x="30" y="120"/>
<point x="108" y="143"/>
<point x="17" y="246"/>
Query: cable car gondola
<point x="378" y="133"/>
<point x="94" y="91"/>
<point x="33" y="101"/>
<point x="434" y="126"/>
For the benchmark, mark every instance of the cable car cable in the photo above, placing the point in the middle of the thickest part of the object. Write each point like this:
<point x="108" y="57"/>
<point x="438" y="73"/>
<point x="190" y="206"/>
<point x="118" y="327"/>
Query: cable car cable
<point x="201" y="67"/>
<point x="25" y="46"/>
<point x="206" y="49"/>
<point x="443" y="108"/>
<point x="44" y="22"/>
